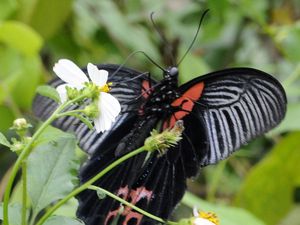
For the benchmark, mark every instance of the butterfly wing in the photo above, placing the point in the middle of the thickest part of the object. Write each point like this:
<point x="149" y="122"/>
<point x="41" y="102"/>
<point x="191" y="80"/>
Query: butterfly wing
<point x="232" y="107"/>
<point x="128" y="86"/>
<point x="221" y="111"/>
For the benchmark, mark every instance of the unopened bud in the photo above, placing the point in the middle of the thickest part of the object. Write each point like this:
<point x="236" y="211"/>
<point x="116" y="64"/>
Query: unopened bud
<point x="91" y="110"/>
<point x="162" y="141"/>
<point x="20" y="124"/>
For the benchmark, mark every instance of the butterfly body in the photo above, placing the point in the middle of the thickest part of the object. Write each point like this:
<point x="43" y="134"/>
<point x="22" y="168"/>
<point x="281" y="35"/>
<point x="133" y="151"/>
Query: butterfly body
<point x="221" y="111"/>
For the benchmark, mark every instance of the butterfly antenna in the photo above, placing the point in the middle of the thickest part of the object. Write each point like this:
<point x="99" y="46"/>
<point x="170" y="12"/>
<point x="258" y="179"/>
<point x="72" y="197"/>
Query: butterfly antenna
<point x="195" y="37"/>
<point x="163" y="38"/>
<point x="152" y="61"/>
<point x="132" y="54"/>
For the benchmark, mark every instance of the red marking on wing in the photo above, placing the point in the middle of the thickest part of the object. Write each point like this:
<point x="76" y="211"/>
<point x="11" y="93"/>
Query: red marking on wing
<point x="186" y="102"/>
<point x="133" y="196"/>
<point x="146" y="90"/>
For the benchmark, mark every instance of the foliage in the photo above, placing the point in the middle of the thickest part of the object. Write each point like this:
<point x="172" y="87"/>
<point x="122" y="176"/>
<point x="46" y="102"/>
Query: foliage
<point x="260" y="34"/>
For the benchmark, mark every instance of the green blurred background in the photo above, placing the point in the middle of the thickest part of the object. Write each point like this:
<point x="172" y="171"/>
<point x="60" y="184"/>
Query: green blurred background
<point x="258" y="185"/>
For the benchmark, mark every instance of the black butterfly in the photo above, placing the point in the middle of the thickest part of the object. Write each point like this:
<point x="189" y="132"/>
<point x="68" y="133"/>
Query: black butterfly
<point x="221" y="111"/>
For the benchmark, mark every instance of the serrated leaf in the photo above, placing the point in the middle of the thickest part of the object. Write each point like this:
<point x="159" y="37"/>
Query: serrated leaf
<point x="52" y="169"/>
<point x="61" y="220"/>
<point x="49" y="92"/>
<point x="10" y="33"/>
<point x="4" y="141"/>
<point x="268" y="198"/>
<point x="228" y="215"/>
<point x="14" y="213"/>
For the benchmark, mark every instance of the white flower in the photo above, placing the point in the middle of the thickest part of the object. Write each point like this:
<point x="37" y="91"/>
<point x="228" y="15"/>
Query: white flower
<point x="204" y="218"/>
<point x="108" y="106"/>
<point x="201" y="221"/>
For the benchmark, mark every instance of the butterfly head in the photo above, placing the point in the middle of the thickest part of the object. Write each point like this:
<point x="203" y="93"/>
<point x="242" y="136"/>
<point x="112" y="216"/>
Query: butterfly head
<point x="171" y="73"/>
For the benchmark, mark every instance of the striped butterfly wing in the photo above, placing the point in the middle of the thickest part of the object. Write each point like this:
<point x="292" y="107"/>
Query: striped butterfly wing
<point x="232" y="106"/>
<point x="127" y="87"/>
<point x="155" y="184"/>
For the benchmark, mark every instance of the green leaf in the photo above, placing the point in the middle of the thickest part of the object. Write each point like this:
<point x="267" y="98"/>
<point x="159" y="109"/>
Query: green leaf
<point x="135" y="37"/>
<point x="30" y="42"/>
<point x="7" y="7"/>
<point x="227" y="215"/>
<point x="7" y="118"/>
<point x="290" y="122"/>
<point x="14" y="213"/>
<point x="255" y="10"/>
<point x="288" y="37"/>
<point x="4" y="141"/>
<point x="83" y="119"/>
<point x="52" y="169"/>
<point x="19" y="77"/>
<point x="24" y="91"/>
<point x="68" y="209"/>
<point x="192" y="67"/>
<point x="268" y="190"/>
<point x="61" y="220"/>
<point x="46" y="17"/>
<point x="49" y="92"/>
<point x="292" y="217"/>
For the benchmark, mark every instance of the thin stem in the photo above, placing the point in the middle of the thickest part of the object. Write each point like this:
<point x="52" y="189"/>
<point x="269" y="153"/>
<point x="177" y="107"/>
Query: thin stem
<point x="93" y="187"/>
<point x="87" y="184"/>
<point x="24" y="154"/>
<point x="69" y="113"/>
<point x="24" y="197"/>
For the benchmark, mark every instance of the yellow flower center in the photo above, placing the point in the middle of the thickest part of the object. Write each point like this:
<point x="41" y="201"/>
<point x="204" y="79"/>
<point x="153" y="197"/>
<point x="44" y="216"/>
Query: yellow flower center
<point x="212" y="217"/>
<point x="105" y="88"/>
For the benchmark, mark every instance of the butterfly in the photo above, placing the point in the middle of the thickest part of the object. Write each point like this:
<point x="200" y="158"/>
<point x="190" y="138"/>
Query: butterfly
<point x="221" y="111"/>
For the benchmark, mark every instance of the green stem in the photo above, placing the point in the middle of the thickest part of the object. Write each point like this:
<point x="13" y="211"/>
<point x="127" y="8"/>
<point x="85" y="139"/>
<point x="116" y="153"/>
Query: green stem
<point x="87" y="184"/>
<point x="95" y="188"/>
<point x="70" y="113"/>
<point x="24" y="197"/>
<point x="24" y="154"/>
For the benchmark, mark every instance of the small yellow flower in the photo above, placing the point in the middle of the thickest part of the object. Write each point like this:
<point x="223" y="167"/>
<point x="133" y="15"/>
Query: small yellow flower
<point x="205" y="218"/>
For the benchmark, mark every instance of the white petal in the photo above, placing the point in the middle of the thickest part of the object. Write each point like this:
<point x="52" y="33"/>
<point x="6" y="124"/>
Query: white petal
<point x="201" y="221"/>
<point x="195" y="212"/>
<point x="99" y="77"/>
<point x="109" y="109"/>
<point x="69" y="72"/>
<point x="61" y="89"/>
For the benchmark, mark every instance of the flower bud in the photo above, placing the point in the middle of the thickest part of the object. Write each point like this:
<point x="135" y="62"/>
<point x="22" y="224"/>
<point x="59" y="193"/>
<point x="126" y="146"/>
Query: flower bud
<point x="91" y="110"/>
<point x="162" y="141"/>
<point x="20" y="125"/>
